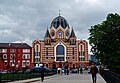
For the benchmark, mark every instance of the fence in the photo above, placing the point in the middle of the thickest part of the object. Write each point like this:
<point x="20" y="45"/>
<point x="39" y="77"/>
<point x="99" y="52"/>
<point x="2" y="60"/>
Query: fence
<point x="110" y="77"/>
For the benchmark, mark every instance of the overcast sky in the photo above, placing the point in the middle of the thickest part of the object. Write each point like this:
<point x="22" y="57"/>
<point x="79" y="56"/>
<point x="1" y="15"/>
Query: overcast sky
<point x="27" y="20"/>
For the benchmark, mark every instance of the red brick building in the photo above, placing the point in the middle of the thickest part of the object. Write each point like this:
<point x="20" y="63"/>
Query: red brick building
<point x="15" y="55"/>
<point x="60" y="47"/>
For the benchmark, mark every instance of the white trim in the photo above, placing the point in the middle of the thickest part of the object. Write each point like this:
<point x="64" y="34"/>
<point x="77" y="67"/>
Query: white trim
<point x="60" y="43"/>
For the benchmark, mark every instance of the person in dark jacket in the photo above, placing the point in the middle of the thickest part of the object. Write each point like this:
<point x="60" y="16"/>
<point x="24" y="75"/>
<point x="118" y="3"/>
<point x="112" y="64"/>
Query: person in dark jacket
<point x="42" y="73"/>
<point x="94" y="71"/>
<point x="81" y="70"/>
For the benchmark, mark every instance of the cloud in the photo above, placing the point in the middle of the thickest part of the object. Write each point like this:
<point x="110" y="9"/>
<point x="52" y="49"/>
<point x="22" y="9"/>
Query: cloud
<point x="27" y="20"/>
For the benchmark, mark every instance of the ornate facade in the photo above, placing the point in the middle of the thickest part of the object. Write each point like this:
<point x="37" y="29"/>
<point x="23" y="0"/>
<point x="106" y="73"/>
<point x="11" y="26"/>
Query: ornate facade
<point x="60" y="47"/>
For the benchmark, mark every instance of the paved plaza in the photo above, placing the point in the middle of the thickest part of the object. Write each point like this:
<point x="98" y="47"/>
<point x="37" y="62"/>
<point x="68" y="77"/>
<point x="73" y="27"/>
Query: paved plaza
<point x="71" y="78"/>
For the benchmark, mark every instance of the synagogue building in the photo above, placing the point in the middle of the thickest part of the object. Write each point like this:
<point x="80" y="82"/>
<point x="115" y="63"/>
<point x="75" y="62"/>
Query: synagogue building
<point x="60" y="47"/>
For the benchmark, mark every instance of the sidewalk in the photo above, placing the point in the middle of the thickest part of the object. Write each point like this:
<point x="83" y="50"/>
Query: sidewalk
<point x="34" y="79"/>
<point x="72" y="78"/>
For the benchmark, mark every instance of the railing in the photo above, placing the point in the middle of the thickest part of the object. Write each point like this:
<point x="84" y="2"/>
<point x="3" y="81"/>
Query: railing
<point x="110" y="77"/>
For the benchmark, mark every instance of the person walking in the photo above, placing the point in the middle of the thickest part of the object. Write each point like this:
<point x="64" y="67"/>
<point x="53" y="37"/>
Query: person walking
<point x="42" y="73"/>
<point x="94" y="71"/>
<point x="81" y="70"/>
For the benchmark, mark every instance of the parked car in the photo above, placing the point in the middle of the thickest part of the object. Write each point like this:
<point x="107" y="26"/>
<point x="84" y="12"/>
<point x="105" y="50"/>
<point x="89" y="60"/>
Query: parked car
<point x="33" y="70"/>
<point x="20" y="72"/>
<point x="13" y="71"/>
<point x="0" y="71"/>
<point x="74" y="70"/>
<point x="5" y="71"/>
<point x="88" y="69"/>
<point x="28" y="71"/>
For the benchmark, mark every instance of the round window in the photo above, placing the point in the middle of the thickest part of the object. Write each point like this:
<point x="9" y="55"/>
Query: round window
<point x="53" y="33"/>
<point x="60" y="33"/>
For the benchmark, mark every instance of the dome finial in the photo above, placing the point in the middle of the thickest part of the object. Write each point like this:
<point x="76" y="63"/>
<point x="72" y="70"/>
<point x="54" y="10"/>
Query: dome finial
<point x="59" y="12"/>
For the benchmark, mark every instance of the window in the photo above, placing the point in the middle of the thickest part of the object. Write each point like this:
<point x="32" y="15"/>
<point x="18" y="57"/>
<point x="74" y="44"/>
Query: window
<point x="53" y="34"/>
<point x="28" y="63"/>
<point x="11" y="63"/>
<point x="11" y="56"/>
<point x="83" y="53"/>
<point x="67" y="34"/>
<point x="37" y="59"/>
<point x="23" y="63"/>
<point x="60" y="50"/>
<point x="79" y="53"/>
<point x="60" y="58"/>
<point x="37" y="48"/>
<point x="72" y="42"/>
<point x="81" y="48"/>
<point x="18" y="55"/>
<point x="12" y="50"/>
<point x="59" y="33"/>
<point x="0" y="50"/>
<point x="79" y="58"/>
<point x="35" y="53"/>
<point x="82" y="59"/>
<point x="5" y="63"/>
<point x="3" y="50"/>
<point x="73" y="51"/>
<point x="46" y="51"/>
<point x="73" y="57"/>
<point x="26" y="50"/>
<point x="46" y="57"/>
<point x="28" y="56"/>
<point x="73" y="66"/>
<point x="18" y="50"/>
<point x="60" y="65"/>
<point x="18" y="63"/>
<point x="23" y="56"/>
<point x="46" y="65"/>
<point x="4" y="56"/>
<point x="38" y="53"/>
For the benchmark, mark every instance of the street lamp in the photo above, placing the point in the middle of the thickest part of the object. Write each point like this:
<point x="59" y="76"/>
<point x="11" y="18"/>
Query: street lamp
<point x="13" y="66"/>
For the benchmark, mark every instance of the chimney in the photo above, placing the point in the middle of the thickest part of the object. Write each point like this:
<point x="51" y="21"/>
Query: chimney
<point x="9" y="43"/>
<point x="22" y="43"/>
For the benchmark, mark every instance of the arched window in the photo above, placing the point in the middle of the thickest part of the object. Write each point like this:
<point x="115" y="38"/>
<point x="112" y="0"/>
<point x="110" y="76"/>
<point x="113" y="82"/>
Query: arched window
<point x="46" y="51"/>
<point x="60" y="50"/>
<point x="37" y="48"/>
<point x="73" y="66"/>
<point x="60" y="65"/>
<point x="54" y="66"/>
<point x="46" y="65"/>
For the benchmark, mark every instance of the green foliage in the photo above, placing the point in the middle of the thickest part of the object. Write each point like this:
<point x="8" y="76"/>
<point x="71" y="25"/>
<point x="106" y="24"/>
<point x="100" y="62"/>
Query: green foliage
<point x="18" y="76"/>
<point x="105" y="41"/>
<point x="13" y="77"/>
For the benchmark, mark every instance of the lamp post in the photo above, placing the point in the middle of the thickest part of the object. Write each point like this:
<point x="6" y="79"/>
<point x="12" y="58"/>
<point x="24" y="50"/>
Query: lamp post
<point x="0" y="66"/>
<point x="13" y="66"/>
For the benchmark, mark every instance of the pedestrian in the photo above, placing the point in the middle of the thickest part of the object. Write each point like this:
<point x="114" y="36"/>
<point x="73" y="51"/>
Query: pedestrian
<point x="81" y="70"/>
<point x="94" y="71"/>
<point x="42" y="73"/>
<point x="67" y="71"/>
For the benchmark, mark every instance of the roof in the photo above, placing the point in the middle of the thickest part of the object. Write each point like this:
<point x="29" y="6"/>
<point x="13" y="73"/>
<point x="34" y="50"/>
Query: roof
<point x="59" y="21"/>
<point x="47" y="34"/>
<point x="14" y="45"/>
<point x="72" y="34"/>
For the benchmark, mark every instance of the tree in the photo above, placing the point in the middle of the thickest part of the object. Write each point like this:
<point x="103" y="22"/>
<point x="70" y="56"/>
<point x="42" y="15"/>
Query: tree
<point x="105" y="41"/>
